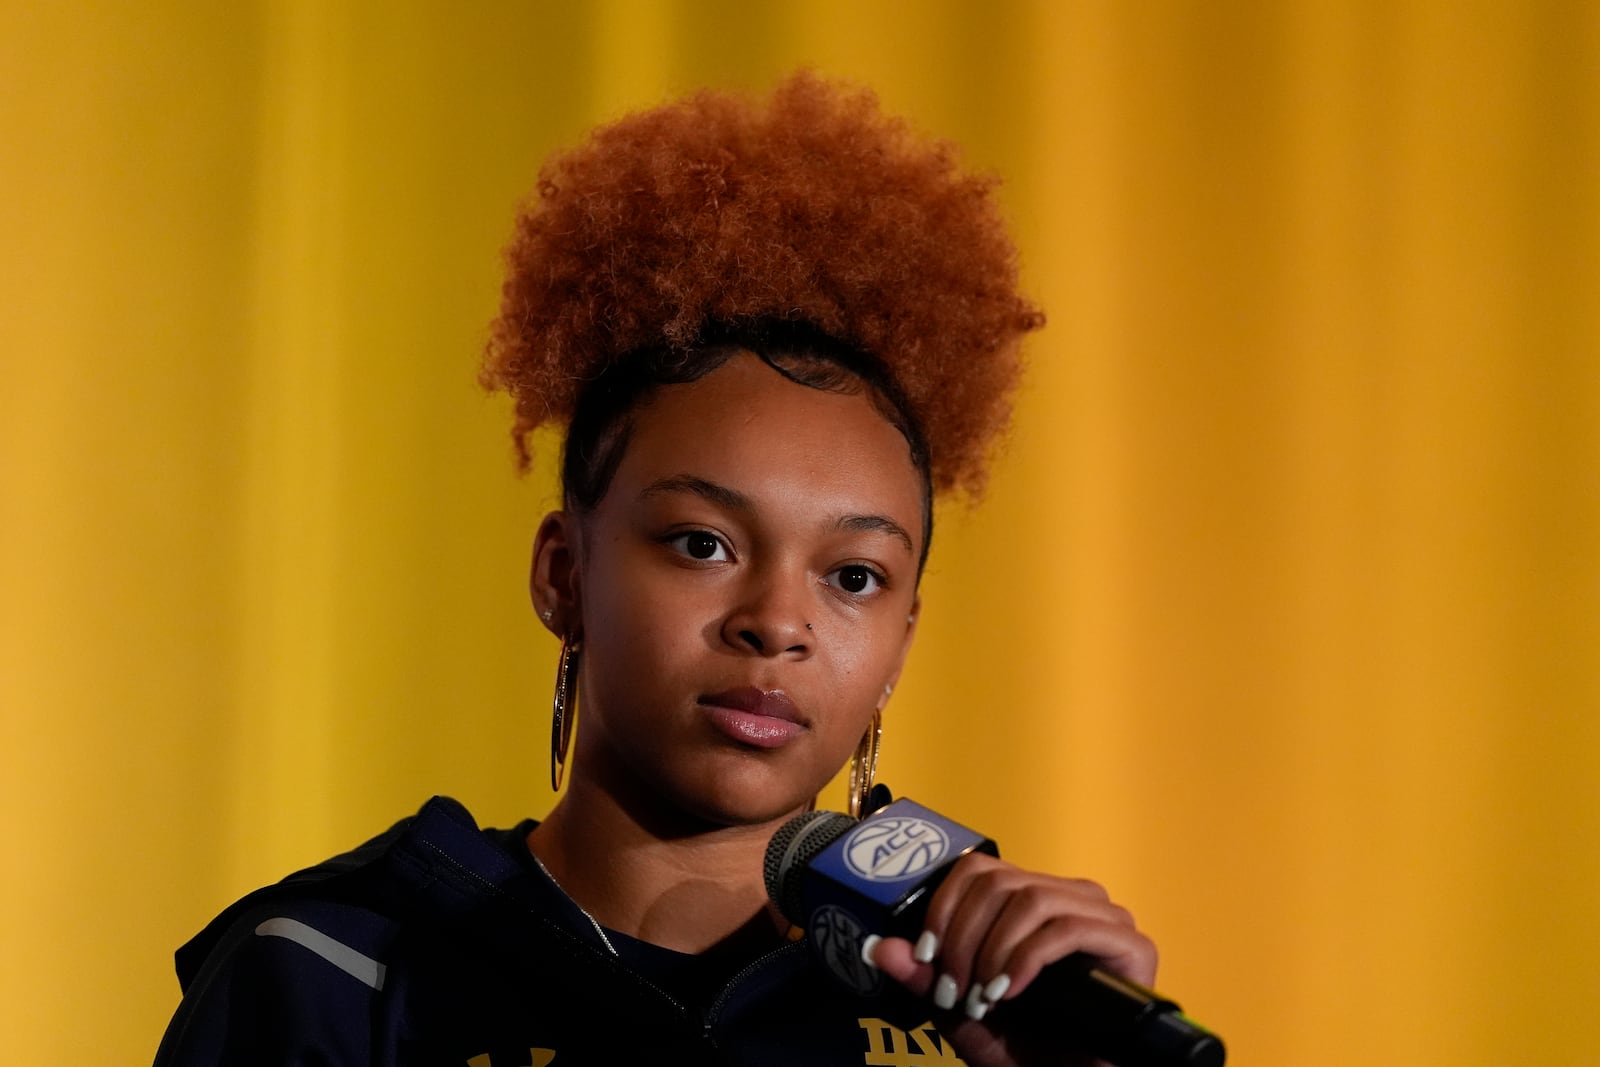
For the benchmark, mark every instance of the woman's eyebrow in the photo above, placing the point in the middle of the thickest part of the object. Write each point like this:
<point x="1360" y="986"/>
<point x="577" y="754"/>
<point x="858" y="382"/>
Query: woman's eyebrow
<point x="876" y="524"/>
<point x="688" y="483"/>
<point x="734" y="500"/>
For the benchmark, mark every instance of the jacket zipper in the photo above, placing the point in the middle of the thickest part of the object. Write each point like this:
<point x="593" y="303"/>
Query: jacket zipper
<point x="615" y="963"/>
<point x="609" y="959"/>
<point x="744" y="973"/>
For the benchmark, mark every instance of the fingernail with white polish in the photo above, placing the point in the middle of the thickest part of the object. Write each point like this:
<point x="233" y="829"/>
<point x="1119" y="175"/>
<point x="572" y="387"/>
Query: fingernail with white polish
<point x="996" y="988"/>
<point x="945" y="992"/>
<point x="927" y="947"/>
<point x="976" y="1005"/>
<point x="867" y="948"/>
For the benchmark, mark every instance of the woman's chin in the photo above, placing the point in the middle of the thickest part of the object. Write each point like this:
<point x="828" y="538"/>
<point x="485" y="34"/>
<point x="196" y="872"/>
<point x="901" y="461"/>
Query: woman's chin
<point x="719" y="786"/>
<point x="743" y="800"/>
<point x="737" y="811"/>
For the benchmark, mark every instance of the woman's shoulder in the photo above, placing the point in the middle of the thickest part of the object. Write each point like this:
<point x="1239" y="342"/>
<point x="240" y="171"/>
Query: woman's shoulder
<point x="292" y="963"/>
<point x="436" y="861"/>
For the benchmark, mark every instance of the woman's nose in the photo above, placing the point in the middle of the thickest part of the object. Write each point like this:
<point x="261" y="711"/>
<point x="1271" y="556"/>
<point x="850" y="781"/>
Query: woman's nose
<point x="770" y="618"/>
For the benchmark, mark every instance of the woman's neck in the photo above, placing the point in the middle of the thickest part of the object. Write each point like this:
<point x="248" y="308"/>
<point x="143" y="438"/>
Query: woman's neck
<point x="689" y="892"/>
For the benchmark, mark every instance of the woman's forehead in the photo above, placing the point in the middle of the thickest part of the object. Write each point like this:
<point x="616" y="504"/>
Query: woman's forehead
<point x="747" y="427"/>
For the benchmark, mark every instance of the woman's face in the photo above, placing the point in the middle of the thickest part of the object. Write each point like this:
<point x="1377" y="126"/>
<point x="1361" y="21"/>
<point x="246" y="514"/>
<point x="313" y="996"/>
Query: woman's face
<point x="744" y="592"/>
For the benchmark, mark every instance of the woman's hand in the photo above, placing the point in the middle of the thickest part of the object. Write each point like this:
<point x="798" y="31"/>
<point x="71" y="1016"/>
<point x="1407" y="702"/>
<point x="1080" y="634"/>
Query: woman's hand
<point x="991" y="928"/>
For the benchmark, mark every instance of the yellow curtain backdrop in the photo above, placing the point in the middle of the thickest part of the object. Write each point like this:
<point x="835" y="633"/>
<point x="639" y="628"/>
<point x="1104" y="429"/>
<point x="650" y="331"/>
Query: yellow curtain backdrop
<point x="1282" y="617"/>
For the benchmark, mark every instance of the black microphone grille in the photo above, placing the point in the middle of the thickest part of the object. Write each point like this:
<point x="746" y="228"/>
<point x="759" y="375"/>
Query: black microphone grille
<point x="795" y="845"/>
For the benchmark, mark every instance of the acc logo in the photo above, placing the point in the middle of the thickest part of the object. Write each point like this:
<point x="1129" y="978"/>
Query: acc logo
<point x="894" y="847"/>
<point x="836" y="936"/>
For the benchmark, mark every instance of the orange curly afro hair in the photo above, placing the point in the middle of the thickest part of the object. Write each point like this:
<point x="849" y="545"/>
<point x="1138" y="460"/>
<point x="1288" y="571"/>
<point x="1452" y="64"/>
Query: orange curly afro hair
<point x="687" y="221"/>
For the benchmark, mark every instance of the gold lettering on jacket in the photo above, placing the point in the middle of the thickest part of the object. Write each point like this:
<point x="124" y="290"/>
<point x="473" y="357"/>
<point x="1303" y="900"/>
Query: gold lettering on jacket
<point x="890" y="1046"/>
<point x="537" y="1057"/>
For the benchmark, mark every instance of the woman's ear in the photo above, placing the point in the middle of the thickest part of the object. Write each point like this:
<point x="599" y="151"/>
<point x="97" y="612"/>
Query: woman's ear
<point x="553" y="581"/>
<point x="905" y="648"/>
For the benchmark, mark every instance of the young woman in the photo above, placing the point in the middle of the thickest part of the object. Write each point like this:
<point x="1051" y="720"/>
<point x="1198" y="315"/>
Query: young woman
<point x="772" y="334"/>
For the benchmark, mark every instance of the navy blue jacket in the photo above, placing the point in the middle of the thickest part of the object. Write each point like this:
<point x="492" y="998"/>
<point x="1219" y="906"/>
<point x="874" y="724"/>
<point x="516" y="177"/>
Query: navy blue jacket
<point x="439" y="944"/>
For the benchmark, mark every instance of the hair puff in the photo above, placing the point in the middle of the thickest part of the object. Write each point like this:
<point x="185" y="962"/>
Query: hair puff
<point x="815" y="208"/>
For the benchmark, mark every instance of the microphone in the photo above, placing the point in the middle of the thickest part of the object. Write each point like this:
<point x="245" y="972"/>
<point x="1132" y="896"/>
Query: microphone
<point x="842" y="880"/>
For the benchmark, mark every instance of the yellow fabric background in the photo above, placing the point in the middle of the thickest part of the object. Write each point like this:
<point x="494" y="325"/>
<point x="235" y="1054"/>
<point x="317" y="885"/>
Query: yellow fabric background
<point x="1280" y="619"/>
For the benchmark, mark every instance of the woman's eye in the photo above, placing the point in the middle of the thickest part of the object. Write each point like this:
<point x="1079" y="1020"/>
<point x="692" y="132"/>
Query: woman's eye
<point x="698" y="544"/>
<point x="856" y="579"/>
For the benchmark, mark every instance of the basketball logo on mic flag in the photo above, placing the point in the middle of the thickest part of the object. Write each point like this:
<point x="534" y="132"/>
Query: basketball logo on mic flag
<point x="836" y="936"/>
<point x="894" y="848"/>
<point x="843" y="880"/>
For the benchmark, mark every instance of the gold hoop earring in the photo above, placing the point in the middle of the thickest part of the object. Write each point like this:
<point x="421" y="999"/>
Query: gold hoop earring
<point x="864" y="766"/>
<point x="564" y="709"/>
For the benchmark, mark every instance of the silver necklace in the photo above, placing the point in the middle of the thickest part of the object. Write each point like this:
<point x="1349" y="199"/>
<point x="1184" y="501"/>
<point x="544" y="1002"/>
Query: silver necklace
<point x="598" y="929"/>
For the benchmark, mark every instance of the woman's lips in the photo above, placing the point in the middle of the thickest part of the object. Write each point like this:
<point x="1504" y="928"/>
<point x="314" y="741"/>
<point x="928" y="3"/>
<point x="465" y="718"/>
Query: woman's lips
<point x="765" y="718"/>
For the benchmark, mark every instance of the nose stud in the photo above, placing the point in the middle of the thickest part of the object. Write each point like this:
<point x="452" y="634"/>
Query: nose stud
<point x="808" y="626"/>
